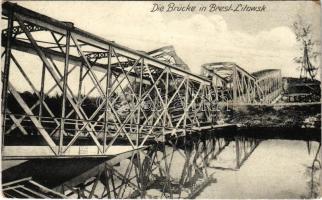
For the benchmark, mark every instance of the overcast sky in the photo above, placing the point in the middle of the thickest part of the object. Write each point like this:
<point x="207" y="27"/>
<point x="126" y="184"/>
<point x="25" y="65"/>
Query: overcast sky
<point x="254" y="41"/>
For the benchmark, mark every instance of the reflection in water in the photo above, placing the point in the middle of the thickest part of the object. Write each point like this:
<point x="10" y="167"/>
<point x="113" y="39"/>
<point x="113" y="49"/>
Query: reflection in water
<point x="205" y="166"/>
<point x="313" y="172"/>
<point x="209" y="167"/>
<point x="185" y="166"/>
<point x="180" y="168"/>
<point x="276" y="169"/>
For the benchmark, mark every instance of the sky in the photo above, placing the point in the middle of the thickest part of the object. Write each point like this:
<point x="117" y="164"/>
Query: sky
<point x="253" y="40"/>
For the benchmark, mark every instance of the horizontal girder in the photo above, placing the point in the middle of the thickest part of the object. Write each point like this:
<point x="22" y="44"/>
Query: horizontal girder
<point x="129" y="94"/>
<point x="54" y="25"/>
<point x="240" y="85"/>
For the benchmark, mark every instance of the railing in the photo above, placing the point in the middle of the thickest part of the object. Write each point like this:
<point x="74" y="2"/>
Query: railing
<point x="83" y="68"/>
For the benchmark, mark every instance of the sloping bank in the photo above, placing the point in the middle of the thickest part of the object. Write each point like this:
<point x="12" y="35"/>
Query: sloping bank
<point x="273" y="121"/>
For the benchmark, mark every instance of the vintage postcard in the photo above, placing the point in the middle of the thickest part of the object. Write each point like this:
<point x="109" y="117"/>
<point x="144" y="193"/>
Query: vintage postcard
<point x="161" y="99"/>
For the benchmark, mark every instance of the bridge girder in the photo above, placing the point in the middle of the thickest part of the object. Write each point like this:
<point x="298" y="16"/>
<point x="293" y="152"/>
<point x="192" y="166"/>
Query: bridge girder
<point x="242" y="87"/>
<point x="121" y="78"/>
<point x="270" y="82"/>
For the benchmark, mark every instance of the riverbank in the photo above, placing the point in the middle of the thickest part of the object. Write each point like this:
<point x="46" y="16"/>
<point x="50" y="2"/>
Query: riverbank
<point x="269" y="116"/>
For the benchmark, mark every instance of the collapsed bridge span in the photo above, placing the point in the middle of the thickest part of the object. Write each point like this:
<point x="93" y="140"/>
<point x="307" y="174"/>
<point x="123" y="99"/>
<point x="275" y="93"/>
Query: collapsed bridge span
<point x="231" y="83"/>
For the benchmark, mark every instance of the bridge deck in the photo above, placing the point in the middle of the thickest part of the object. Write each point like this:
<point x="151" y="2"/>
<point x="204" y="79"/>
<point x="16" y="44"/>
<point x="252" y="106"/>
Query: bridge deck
<point x="23" y="152"/>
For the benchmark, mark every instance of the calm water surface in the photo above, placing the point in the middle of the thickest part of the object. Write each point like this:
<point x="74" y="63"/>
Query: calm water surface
<point x="276" y="169"/>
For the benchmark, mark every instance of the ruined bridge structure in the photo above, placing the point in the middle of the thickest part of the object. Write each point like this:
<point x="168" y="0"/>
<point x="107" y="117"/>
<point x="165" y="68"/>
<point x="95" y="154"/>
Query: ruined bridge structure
<point x="93" y="98"/>
<point x="233" y="84"/>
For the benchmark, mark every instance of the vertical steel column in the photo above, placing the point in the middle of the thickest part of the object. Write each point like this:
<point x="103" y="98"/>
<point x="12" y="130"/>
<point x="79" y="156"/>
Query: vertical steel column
<point x="140" y="106"/>
<point x="107" y="94"/>
<point x="211" y="113"/>
<point x="186" y="106"/>
<point x="79" y="95"/>
<point x="166" y="102"/>
<point x="42" y="93"/>
<point x="164" y="139"/>
<point x="139" y="165"/>
<point x="248" y="91"/>
<point x="62" y="121"/>
<point x="234" y="85"/>
<point x="5" y="74"/>
<point x="215" y="87"/>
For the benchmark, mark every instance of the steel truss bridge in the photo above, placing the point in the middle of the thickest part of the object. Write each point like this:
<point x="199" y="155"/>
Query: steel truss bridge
<point x="93" y="98"/>
<point x="233" y="84"/>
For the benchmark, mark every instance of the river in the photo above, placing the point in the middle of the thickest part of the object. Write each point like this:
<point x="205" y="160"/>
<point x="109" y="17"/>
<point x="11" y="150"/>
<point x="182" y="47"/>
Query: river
<point x="276" y="169"/>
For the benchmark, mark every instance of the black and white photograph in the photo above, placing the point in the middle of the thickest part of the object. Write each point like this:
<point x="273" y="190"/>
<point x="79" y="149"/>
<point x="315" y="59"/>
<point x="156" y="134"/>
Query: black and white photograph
<point x="160" y="99"/>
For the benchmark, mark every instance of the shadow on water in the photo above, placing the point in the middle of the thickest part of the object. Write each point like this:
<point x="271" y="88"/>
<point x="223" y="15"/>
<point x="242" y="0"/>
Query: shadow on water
<point x="207" y="153"/>
<point x="313" y="171"/>
<point x="180" y="168"/>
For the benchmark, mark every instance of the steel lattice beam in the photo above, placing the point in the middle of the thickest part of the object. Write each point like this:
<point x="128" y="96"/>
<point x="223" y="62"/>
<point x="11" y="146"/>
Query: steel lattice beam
<point x="129" y="77"/>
